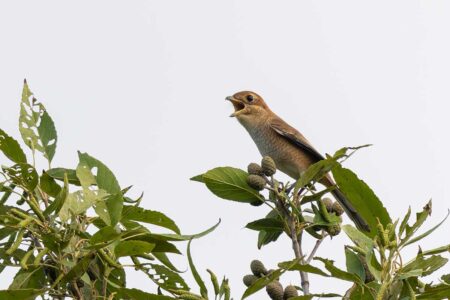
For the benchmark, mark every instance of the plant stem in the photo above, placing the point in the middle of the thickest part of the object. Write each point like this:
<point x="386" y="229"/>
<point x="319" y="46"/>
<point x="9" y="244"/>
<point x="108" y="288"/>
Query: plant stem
<point x="314" y="250"/>
<point x="296" y="245"/>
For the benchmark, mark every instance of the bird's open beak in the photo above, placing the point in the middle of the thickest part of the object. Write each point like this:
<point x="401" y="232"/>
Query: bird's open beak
<point x="238" y="105"/>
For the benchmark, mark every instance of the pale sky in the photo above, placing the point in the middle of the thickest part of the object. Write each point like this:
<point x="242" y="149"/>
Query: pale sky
<point x="141" y="86"/>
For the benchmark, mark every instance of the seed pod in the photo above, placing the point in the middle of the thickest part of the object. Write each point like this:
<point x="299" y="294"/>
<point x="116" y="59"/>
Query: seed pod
<point x="258" y="268"/>
<point x="275" y="290"/>
<point x="268" y="166"/>
<point x="333" y="230"/>
<point x="337" y="208"/>
<point x="328" y="204"/>
<point x="256" y="182"/>
<point x="289" y="292"/>
<point x="255" y="169"/>
<point x="249" y="279"/>
<point x="382" y="236"/>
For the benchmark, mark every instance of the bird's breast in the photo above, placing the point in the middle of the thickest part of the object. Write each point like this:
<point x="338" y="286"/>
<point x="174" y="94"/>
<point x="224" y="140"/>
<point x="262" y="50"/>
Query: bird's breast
<point x="288" y="158"/>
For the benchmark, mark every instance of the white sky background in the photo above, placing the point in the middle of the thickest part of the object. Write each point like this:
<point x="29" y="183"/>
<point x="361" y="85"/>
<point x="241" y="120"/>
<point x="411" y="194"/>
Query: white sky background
<point x="141" y="86"/>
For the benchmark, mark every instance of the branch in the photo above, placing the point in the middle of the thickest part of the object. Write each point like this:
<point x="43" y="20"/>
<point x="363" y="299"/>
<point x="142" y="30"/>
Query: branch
<point x="314" y="250"/>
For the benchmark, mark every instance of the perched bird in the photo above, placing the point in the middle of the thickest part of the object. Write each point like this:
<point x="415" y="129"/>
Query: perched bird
<point x="290" y="150"/>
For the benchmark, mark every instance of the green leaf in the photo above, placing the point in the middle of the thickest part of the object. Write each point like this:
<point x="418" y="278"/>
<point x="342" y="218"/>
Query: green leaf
<point x="289" y="266"/>
<point x="420" y="219"/>
<point x="260" y="283"/>
<point x="198" y="279"/>
<point x="359" y="238"/>
<point x="60" y="199"/>
<point x="149" y="216"/>
<point x="437" y="292"/>
<point x="166" y="278"/>
<point x="338" y="273"/>
<point x="404" y="222"/>
<point x="315" y="172"/>
<point x="23" y="294"/>
<point x="49" y="185"/>
<point x="135" y="294"/>
<point x="36" y="126"/>
<point x="105" y="234"/>
<point x="11" y="148"/>
<point x="362" y="198"/>
<point x="133" y="247"/>
<point x="58" y="173"/>
<point x="265" y="237"/>
<point x="33" y="278"/>
<point x="230" y="184"/>
<point x="426" y="233"/>
<point x="354" y="264"/>
<point x="427" y="265"/>
<point x="23" y="174"/>
<point x="319" y="296"/>
<point x="214" y="282"/>
<point x="437" y="250"/>
<point x="198" y="178"/>
<point x="266" y="224"/>
<point x="79" y="269"/>
<point x="164" y="259"/>
<point x="105" y="181"/>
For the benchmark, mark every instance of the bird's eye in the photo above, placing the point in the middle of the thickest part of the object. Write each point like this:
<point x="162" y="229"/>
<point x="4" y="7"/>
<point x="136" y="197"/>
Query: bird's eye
<point x="249" y="98"/>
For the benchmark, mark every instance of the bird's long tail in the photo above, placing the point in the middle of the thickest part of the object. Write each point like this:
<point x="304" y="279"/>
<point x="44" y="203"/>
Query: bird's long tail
<point x="351" y="211"/>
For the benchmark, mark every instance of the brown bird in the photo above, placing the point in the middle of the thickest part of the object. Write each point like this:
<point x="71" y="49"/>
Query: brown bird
<point x="290" y="150"/>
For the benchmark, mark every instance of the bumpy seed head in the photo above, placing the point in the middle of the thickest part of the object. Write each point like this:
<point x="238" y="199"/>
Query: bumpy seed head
<point x="337" y="208"/>
<point x="268" y="166"/>
<point x="255" y="169"/>
<point x="328" y="204"/>
<point x="256" y="182"/>
<point x="289" y="292"/>
<point x="258" y="268"/>
<point x="275" y="290"/>
<point x="249" y="279"/>
<point x="334" y="230"/>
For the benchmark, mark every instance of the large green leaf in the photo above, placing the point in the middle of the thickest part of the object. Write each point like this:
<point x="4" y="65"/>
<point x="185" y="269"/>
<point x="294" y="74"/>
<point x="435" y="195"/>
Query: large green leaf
<point x="438" y="292"/>
<point x="362" y="198"/>
<point x="106" y="181"/>
<point x="166" y="278"/>
<point x="354" y="264"/>
<point x="426" y="265"/>
<point x="135" y="294"/>
<point x="48" y="185"/>
<point x="266" y="224"/>
<point x="79" y="269"/>
<point x="198" y="279"/>
<point x="420" y="219"/>
<point x="315" y="172"/>
<point x="338" y="273"/>
<point x="428" y="232"/>
<point x="359" y="238"/>
<point x="133" y="247"/>
<point x="22" y="294"/>
<point x="36" y="126"/>
<point x="59" y="173"/>
<point x="295" y="266"/>
<point x="33" y="278"/>
<point x="11" y="148"/>
<point x="60" y="199"/>
<point x="230" y="183"/>
<point x="149" y="216"/>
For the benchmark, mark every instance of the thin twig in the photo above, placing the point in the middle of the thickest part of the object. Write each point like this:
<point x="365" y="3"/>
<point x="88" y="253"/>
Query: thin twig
<point x="297" y="241"/>
<point x="314" y="250"/>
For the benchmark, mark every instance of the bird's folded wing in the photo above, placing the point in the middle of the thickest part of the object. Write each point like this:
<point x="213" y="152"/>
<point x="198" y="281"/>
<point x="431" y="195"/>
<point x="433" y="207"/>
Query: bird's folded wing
<point x="295" y="137"/>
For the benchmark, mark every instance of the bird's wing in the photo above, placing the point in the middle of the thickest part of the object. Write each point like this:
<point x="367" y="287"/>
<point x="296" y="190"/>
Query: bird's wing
<point x="294" y="137"/>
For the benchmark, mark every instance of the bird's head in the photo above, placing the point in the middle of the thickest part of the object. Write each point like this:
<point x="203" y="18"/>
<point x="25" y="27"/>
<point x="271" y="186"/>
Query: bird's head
<point x="248" y="106"/>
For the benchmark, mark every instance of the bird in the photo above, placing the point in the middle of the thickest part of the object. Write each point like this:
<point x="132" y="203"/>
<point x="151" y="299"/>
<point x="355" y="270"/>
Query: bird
<point x="290" y="150"/>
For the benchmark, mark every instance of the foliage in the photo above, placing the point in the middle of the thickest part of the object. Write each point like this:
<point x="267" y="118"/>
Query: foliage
<point x="68" y="230"/>
<point x="375" y="268"/>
